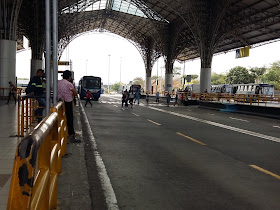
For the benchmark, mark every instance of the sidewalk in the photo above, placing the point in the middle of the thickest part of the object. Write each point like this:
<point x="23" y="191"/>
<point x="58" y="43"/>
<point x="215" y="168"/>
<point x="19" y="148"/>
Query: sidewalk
<point x="73" y="186"/>
<point x="8" y="145"/>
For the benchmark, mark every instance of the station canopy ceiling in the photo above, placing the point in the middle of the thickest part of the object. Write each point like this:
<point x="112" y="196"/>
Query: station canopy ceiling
<point x="179" y="27"/>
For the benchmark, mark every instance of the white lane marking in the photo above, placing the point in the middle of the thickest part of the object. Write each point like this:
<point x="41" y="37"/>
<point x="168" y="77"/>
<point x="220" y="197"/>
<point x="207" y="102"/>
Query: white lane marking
<point x="115" y="106"/>
<point x="106" y="185"/>
<point x="275" y="126"/>
<point x="153" y="122"/>
<point x="189" y="110"/>
<point x="211" y="113"/>
<point x="251" y="133"/>
<point x="135" y="114"/>
<point x="238" y="119"/>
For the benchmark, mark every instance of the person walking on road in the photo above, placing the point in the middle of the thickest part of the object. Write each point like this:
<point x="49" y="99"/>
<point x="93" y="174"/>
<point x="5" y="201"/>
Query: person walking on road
<point x="131" y="97"/>
<point x="12" y="92"/>
<point x="137" y="97"/>
<point x="157" y="97"/>
<point x="176" y="100"/>
<point x="125" y="98"/>
<point x="147" y="98"/>
<point x="66" y="91"/>
<point x="168" y="98"/>
<point x="89" y="96"/>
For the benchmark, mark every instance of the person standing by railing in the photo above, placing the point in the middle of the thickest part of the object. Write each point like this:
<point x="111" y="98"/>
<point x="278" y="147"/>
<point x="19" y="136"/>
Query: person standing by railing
<point x="66" y="91"/>
<point x="12" y="92"/>
<point x="37" y="90"/>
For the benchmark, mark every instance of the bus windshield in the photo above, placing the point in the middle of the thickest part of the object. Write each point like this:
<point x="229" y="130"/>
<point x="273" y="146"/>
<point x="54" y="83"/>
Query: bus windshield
<point x="91" y="83"/>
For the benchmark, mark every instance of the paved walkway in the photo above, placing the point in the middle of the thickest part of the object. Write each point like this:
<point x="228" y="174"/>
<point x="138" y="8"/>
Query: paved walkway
<point x="8" y="144"/>
<point x="73" y="187"/>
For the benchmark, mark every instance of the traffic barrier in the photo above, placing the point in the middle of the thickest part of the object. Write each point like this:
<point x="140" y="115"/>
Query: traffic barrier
<point x="26" y="113"/>
<point x="38" y="162"/>
<point x="5" y="89"/>
<point x="255" y="99"/>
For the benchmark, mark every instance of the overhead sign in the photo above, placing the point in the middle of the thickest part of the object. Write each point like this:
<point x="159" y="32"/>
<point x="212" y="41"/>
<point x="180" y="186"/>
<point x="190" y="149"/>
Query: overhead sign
<point x="65" y="63"/>
<point x="242" y="52"/>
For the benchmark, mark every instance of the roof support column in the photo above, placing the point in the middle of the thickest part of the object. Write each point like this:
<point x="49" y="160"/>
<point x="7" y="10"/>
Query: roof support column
<point x="148" y="74"/>
<point x="205" y="70"/>
<point x="148" y="65"/>
<point x="9" y="11"/>
<point x="7" y="63"/>
<point x="37" y="39"/>
<point x="168" y="85"/>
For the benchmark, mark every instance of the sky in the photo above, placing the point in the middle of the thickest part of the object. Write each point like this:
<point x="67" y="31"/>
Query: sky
<point x="104" y="54"/>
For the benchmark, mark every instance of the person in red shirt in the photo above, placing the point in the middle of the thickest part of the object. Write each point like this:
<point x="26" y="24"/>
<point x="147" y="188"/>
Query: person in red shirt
<point x="89" y="96"/>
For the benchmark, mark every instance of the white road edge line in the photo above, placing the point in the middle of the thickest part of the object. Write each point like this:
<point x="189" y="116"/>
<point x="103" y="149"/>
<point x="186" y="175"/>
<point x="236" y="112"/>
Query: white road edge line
<point x="108" y="190"/>
<point x="233" y="118"/>
<point x="276" y="126"/>
<point x="153" y="122"/>
<point x="251" y="133"/>
<point x="135" y="114"/>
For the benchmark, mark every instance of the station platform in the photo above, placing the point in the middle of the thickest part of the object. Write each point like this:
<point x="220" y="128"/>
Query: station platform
<point x="8" y="145"/>
<point x="73" y="187"/>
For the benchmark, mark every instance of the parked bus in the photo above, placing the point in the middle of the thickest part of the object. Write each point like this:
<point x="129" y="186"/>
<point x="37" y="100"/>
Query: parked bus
<point x="91" y="83"/>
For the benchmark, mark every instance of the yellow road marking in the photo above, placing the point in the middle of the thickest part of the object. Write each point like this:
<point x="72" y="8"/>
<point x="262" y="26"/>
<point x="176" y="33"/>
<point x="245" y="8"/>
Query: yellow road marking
<point x="135" y="114"/>
<point x="265" y="171"/>
<point x="190" y="138"/>
<point x="153" y="122"/>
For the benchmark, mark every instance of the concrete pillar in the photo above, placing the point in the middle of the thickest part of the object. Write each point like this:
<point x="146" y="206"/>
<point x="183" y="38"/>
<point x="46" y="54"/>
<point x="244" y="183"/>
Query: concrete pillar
<point x="7" y="63"/>
<point x="168" y="86"/>
<point x="148" y="84"/>
<point x="35" y="65"/>
<point x="205" y="79"/>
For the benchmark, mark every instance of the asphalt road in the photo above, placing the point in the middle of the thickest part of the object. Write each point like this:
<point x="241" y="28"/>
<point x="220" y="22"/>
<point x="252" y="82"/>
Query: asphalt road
<point x="160" y="157"/>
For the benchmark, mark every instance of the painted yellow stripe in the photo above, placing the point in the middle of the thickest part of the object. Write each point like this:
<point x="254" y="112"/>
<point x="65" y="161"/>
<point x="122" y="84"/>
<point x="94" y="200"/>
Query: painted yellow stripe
<point x="265" y="171"/>
<point x="153" y="122"/>
<point x="190" y="138"/>
<point x="135" y="114"/>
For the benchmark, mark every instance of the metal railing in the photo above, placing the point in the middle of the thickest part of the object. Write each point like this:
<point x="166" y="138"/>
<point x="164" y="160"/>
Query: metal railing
<point x="38" y="162"/>
<point x="251" y="99"/>
<point x="26" y="113"/>
<point x="5" y="89"/>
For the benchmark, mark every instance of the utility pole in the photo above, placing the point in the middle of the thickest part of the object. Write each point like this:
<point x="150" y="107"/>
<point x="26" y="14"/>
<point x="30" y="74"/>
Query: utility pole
<point x="121" y="70"/>
<point x="109" y="74"/>
<point x="157" y="79"/>
<point x="86" y="66"/>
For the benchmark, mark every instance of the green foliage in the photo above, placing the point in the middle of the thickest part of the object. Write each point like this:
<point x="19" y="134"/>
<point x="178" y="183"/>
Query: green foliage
<point x="239" y="75"/>
<point x="177" y="71"/>
<point x="273" y="75"/>
<point x="258" y="73"/>
<point x="193" y="77"/>
<point x="217" y="79"/>
<point x="138" y="81"/>
<point x="117" y="86"/>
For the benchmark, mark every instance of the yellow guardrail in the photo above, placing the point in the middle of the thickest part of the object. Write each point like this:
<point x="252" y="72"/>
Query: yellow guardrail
<point x="26" y="115"/>
<point x="233" y="98"/>
<point x="3" y="89"/>
<point x="38" y="162"/>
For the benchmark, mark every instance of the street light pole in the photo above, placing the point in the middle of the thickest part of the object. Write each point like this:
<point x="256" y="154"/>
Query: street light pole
<point x="86" y="66"/>
<point x="109" y="74"/>
<point x="121" y="70"/>
<point x="157" y="78"/>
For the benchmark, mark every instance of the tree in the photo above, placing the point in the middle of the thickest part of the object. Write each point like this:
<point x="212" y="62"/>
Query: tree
<point x="193" y="78"/>
<point x="217" y="79"/>
<point x="258" y="73"/>
<point x="176" y="71"/>
<point x="117" y="86"/>
<point x="273" y="75"/>
<point x="239" y="75"/>
<point x="138" y="81"/>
